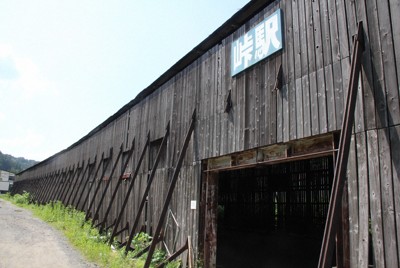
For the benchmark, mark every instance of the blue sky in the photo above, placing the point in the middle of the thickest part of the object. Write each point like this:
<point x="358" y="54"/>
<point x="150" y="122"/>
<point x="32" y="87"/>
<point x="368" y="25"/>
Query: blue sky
<point x="67" y="65"/>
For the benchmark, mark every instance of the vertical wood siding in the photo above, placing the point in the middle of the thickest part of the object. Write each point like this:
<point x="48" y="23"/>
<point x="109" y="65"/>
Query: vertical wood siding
<point x="315" y="65"/>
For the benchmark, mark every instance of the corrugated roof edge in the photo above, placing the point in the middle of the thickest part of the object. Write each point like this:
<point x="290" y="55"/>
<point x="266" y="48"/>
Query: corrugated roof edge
<point x="231" y="25"/>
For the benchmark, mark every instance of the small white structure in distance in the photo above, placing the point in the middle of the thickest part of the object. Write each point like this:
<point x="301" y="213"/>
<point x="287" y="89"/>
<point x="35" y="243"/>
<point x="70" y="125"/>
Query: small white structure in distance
<point x="6" y="180"/>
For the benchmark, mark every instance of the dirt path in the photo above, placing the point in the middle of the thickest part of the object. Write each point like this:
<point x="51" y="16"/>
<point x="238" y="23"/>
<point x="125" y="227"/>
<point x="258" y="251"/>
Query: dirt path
<point x="26" y="241"/>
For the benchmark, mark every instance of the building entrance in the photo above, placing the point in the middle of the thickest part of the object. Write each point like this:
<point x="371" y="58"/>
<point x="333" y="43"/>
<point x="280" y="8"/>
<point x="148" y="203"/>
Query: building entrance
<point x="274" y="215"/>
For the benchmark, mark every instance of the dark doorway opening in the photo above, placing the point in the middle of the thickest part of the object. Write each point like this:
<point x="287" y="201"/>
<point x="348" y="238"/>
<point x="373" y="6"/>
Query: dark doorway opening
<point x="273" y="216"/>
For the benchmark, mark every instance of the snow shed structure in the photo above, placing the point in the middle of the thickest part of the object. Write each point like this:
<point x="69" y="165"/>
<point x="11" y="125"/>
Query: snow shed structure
<point x="236" y="145"/>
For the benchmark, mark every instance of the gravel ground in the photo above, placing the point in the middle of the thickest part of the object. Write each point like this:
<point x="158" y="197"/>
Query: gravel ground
<point x="26" y="241"/>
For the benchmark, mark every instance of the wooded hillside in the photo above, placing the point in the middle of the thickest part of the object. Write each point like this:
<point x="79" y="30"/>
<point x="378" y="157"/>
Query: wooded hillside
<point x="14" y="164"/>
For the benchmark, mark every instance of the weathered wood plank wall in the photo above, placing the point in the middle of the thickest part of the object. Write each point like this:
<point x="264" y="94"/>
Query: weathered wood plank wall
<point x="315" y="70"/>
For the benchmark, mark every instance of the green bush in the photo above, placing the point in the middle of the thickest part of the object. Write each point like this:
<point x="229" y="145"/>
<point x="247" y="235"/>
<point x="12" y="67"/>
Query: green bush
<point x="23" y="199"/>
<point x="140" y="241"/>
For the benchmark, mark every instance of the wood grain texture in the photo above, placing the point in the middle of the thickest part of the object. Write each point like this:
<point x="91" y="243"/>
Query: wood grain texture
<point x="315" y="60"/>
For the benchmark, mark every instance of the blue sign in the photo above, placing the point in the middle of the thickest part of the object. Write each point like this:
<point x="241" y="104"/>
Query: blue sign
<point x="257" y="44"/>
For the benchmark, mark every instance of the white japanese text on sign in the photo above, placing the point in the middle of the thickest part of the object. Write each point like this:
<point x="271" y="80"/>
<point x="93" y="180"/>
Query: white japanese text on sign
<point x="257" y="44"/>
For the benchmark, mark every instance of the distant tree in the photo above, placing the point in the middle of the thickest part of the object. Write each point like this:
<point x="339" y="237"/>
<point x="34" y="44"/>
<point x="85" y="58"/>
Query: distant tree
<point x="14" y="164"/>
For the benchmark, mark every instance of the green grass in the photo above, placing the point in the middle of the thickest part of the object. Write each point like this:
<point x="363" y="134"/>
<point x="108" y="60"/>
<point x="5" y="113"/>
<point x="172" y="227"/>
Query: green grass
<point x="87" y="239"/>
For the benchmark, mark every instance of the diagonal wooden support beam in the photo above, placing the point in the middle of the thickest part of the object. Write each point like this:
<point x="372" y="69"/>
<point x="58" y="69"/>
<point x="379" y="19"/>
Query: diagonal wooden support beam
<point x="63" y="186"/>
<point x="40" y="186"/>
<point x="32" y="187"/>
<point x="69" y="184"/>
<point x="47" y="188"/>
<point x="53" y="183"/>
<point x="175" y="254"/>
<point x="105" y="167"/>
<point x="130" y="153"/>
<point x="146" y="192"/>
<point x="56" y="186"/>
<point x="89" y="169"/>
<point x="120" y="231"/>
<point x="170" y="190"/>
<point x="37" y="186"/>
<point x="77" y="180"/>
<point x="82" y="208"/>
<point x="103" y="195"/>
<point x="109" y="226"/>
<point x="131" y="184"/>
<point x="328" y="242"/>
<point x="50" y="182"/>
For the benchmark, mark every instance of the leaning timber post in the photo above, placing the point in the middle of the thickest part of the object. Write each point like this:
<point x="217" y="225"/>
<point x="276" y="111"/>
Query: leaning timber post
<point x="31" y="187"/>
<point x="146" y="192"/>
<point x="71" y="182"/>
<point x="170" y="192"/>
<point x="37" y="188"/>
<point x="66" y="183"/>
<point x="76" y="181"/>
<point x="345" y="227"/>
<point x="82" y="208"/>
<point x="40" y="185"/>
<point x="53" y="186"/>
<point x="36" y="185"/>
<point x="78" y="187"/>
<point x="88" y="212"/>
<point x="22" y="185"/>
<point x="114" y="194"/>
<point x="175" y="254"/>
<point x="83" y="181"/>
<point x="69" y="186"/>
<point x="44" y="188"/>
<point x="48" y="187"/>
<point x="331" y="226"/>
<point x="59" y="185"/>
<point x="56" y="186"/>
<point x="103" y="195"/>
<point x="79" y="179"/>
<point x="132" y="182"/>
<point x="16" y="187"/>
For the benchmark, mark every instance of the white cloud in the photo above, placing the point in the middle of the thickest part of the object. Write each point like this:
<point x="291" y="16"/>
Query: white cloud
<point x="25" y="95"/>
<point x="29" y="81"/>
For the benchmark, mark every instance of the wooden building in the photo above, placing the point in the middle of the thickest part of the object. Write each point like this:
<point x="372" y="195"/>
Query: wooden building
<point x="234" y="159"/>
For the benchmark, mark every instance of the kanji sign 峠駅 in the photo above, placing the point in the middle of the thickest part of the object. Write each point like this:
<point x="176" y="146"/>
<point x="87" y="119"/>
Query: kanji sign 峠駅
<point x="257" y="44"/>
